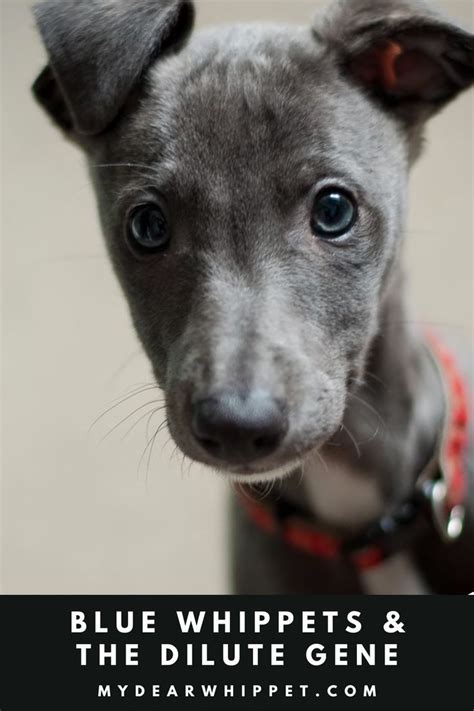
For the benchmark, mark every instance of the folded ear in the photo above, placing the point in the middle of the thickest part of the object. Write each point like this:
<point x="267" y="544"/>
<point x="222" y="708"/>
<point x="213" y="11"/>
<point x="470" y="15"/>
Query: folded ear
<point x="402" y="50"/>
<point x="98" y="52"/>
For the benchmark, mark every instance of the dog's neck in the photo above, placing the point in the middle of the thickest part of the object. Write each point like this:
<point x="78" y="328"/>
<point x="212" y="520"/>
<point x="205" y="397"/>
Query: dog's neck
<point x="390" y="428"/>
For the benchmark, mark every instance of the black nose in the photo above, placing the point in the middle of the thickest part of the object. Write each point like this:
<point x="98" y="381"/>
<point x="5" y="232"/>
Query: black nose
<point x="239" y="429"/>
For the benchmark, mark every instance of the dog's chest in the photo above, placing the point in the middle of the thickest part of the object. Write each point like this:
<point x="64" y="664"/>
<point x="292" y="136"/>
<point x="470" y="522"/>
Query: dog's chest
<point x="344" y="497"/>
<point x="396" y="576"/>
<point x="339" y="495"/>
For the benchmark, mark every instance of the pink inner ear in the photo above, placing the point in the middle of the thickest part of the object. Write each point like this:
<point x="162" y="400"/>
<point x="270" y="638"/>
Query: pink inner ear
<point x="396" y="70"/>
<point x="417" y="74"/>
<point x="379" y="65"/>
<point x="389" y="57"/>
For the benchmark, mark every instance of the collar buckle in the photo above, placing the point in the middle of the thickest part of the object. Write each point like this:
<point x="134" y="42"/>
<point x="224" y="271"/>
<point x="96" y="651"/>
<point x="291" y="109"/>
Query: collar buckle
<point x="449" y="521"/>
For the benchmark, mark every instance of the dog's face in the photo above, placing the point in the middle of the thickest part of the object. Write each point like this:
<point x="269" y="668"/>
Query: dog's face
<point x="273" y="217"/>
<point x="252" y="191"/>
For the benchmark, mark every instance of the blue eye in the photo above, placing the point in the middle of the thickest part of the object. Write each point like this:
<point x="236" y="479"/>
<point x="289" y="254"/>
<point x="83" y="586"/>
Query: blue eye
<point x="148" y="228"/>
<point x="334" y="214"/>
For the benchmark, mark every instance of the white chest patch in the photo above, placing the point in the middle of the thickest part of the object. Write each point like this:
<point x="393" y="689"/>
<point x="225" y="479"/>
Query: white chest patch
<point x="396" y="576"/>
<point x="338" y="495"/>
<point x="342" y="497"/>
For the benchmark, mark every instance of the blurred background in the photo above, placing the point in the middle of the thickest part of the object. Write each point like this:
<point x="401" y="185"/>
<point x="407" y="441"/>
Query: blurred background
<point x="81" y="515"/>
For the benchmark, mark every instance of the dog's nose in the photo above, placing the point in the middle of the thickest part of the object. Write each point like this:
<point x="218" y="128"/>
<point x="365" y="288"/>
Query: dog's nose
<point x="239" y="429"/>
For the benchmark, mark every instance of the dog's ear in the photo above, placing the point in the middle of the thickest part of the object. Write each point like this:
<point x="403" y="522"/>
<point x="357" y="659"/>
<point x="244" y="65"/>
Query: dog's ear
<point x="402" y="51"/>
<point x="99" y="50"/>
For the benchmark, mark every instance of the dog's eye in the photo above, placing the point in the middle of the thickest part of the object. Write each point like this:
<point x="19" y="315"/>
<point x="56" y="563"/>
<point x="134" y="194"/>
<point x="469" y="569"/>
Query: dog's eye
<point x="148" y="228"/>
<point x="334" y="214"/>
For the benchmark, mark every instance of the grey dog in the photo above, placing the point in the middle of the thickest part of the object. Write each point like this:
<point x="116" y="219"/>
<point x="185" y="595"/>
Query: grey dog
<point x="252" y="186"/>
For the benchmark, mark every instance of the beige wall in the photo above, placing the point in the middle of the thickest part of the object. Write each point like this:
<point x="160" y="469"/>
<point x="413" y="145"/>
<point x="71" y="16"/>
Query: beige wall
<point x="77" y="515"/>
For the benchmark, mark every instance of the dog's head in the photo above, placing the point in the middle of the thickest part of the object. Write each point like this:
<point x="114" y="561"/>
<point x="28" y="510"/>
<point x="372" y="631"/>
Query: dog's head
<point x="251" y="183"/>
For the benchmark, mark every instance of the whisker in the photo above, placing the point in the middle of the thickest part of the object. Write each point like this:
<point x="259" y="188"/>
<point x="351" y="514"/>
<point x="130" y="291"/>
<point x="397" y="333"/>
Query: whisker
<point x="120" y="402"/>
<point x="372" y="437"/>
<point x="244" y="490"/>
<point x="190" y="465"/>
<point x="125" y="364"/>
<point x="183" y="461"/>
<point x="369" y="407"/>
<point x="352" y="438"/>
<point x="137" y="388"/>
<point x="302" y="472"/>
<point x="175" y="451"/>
<point x="363" y="384"/>
<point x="150" y="453"/>
<point x="170" y="439"/>
<point x="148" y="423"/>
<point x="146" y="404"/>
<point x="376" y="379"/>
<point x="260" y="494"/>
<point x="162" y="426"/>
<point x="140" y="419"/>
<point x="321" y="459"/>
<point x="271" y="487"/>
<point x="145" y="452"/>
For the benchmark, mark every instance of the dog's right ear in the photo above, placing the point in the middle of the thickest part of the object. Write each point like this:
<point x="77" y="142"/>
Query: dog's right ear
<point x="403" y="52"/>
<point x="98" y="52"/>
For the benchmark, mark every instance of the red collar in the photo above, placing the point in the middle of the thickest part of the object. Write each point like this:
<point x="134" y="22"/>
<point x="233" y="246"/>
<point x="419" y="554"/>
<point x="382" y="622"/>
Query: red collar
<point x="441" y="487"/>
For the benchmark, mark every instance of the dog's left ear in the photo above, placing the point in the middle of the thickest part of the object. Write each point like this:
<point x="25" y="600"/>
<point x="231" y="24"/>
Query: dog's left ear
<point x="99" y="50"/>
<point x="402" y="51"/>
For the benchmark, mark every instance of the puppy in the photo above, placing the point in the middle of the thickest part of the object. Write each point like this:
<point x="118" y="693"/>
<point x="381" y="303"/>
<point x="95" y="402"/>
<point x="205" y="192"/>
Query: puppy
<point x="252" y="186"/>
